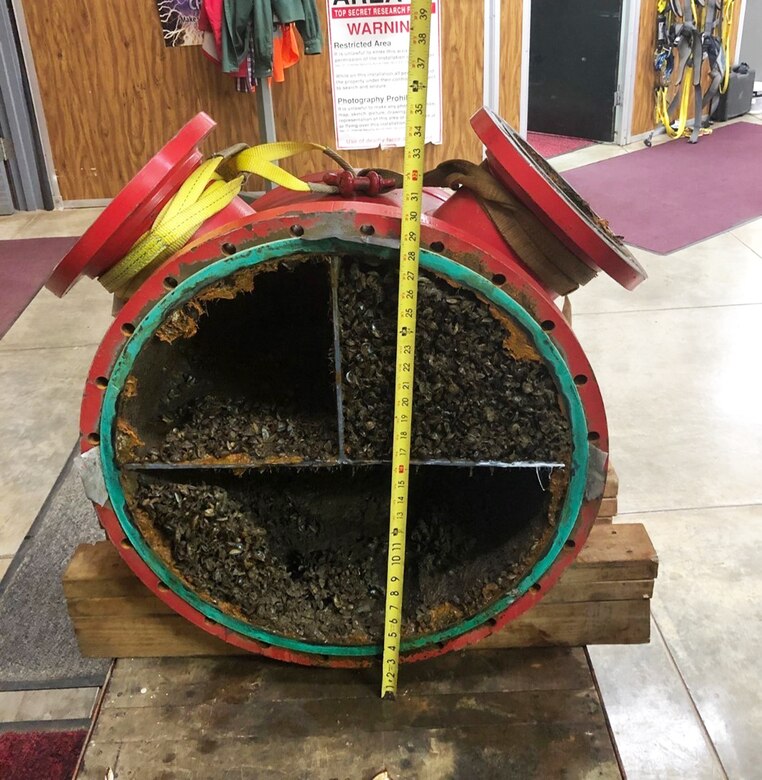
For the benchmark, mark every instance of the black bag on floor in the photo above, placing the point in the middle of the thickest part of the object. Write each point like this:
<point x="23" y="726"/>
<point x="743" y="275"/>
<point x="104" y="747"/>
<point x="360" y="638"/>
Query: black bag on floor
<point x="737" y="100"/>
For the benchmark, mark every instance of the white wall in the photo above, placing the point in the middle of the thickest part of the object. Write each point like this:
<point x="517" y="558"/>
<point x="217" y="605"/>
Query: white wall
<point x="751" y="37"/>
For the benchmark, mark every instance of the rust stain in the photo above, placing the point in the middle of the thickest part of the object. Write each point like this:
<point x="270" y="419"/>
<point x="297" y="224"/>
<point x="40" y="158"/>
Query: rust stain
<point x="516" y="342"/>
<point x="130" y="389"/>
<point x="443" y="615"/>
<point x="183" y="321"/>
<point x="127" y="441"/>
<point x="244" y="460"/>
<point x="491" y="591"/>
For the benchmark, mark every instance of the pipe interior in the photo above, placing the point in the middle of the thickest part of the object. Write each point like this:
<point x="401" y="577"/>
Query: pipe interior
<point x="254" y="439"/>
<point x="301" y="552"/>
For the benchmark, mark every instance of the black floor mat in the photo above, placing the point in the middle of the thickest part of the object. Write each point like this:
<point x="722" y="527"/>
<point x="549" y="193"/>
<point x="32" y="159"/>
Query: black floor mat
<point x="38" y="648"/>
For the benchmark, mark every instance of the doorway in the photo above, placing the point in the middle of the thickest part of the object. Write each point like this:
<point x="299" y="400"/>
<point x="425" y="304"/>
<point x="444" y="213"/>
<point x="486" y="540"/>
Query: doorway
<point x="574" y="51"/>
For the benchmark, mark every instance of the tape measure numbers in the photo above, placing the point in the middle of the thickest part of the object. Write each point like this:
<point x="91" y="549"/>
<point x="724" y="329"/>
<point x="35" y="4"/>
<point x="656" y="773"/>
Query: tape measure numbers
<point x="410" y="242"/>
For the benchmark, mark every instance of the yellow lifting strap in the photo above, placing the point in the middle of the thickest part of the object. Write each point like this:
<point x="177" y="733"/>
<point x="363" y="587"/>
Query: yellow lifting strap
<point x="260" y="160"/>
<point x="662" y="107"/>
<point x="202" y="195"/>
<point x="727" y="31"/>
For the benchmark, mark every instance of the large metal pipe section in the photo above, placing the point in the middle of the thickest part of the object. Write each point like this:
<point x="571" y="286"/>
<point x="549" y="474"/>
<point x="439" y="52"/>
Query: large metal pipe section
<point x="237" y="418"/>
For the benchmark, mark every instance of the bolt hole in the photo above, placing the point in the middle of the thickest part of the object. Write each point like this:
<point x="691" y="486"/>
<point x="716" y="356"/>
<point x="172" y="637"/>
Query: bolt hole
<point x="297" y="230"/>
<point x="101" y="382"/>
<point x="228" y="248"/>
<point x="593" y="436"/>
<point x="162" y="586"/>
<point x="126" y="544"/>
<point x="571" y="543"/>
<point x="128" y="328"/>
<point x="492" y="622"/>
<point x="367" y="230"/>
<point x="441" y="645"/>
<point x="210" y="622"/>
<point x="498" y="279"/>
<point x="580" y="379"/>
<point x="170" y="282"/>
<point x="536" y="587"/>
<point x="548" y="324"/>
<point x="437" y="246"/>
<point x="93" y="438"/>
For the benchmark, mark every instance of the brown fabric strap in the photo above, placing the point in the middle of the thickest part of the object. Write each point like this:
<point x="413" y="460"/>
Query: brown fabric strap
<point x="538" y="248"/>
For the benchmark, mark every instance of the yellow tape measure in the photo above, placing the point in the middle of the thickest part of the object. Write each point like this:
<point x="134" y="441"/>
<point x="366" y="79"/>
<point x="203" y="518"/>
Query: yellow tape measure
<point x="410" y="242"/>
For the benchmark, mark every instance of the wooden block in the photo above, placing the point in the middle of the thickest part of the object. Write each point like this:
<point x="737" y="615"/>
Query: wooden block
<point x="548" y="624"/>
<point x="614" y="590"/>
<point x="611" y="489"/>
<point x="602" y="598"/>
<point x="609" y="507"/>
<point x="145" y="636"/>
<point x="615" y="552"/>
<point x="573" y="624"/>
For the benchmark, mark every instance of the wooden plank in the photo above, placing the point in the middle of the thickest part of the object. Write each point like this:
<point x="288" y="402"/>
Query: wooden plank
<point x="114" y="615"/>
<point x="145" y="636"/>
<point x="231" y="718"/>
<point x="174" y="683"/>
<point x="624" y="590"/>
<point x="498" y="713"/>
<point x="611" y="489"/>
<point x="609" y="507"/>
<point x="576" y="624"/>
<point x="527" y="751"/>
<point x="145" y="603"/>
<point x="567" y="624"/>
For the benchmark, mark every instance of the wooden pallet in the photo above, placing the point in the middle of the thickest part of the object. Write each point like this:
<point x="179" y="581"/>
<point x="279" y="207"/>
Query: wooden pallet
<point x="531" y="713"/>
<point x="603" y="598"/>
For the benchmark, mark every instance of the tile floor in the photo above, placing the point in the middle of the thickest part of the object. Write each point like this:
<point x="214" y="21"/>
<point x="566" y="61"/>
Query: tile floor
<point x="678" y="363"/>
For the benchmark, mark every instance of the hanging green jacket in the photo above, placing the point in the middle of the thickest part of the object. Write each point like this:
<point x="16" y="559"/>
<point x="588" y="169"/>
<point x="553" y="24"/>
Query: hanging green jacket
<point x="247" y="25"/>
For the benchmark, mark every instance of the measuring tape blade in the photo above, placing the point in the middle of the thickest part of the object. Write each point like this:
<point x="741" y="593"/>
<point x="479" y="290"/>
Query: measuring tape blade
<point x="410" y="242"/>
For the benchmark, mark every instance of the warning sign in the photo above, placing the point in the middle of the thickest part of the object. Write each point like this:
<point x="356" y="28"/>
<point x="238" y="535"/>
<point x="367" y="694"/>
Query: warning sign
<point x="369" y="41"/>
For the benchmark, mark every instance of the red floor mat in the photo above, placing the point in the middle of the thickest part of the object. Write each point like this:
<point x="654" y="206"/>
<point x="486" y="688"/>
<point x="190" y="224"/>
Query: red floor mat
<point x="40" y="755"/>
<point x="553" y="145"/>
<point x="676" y="194"/>
<point x="25" y="265"/>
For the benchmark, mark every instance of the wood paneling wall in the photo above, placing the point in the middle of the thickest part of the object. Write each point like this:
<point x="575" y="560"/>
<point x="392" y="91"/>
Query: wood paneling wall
<point x="113" y="94"/>
<point x="643" y="105"/>
<point x="511" y="21"/>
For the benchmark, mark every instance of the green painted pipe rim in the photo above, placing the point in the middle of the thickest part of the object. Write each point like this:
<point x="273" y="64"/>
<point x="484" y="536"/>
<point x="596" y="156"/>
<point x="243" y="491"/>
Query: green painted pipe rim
<point x="431" y="261"/>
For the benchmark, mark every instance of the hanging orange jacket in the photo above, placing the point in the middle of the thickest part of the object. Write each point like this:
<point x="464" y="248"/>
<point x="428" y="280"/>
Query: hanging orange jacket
<point x="285" y="52"/>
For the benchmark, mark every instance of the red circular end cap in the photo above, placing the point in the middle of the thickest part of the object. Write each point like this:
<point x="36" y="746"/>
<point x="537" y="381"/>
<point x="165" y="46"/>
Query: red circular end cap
<point x="555" y="202"/>
<point x="134" y="209"/>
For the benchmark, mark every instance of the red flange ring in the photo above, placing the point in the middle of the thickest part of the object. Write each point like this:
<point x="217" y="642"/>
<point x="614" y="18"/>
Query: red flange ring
<point x="531" y="179"/>
<point x="134" y="209"/>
